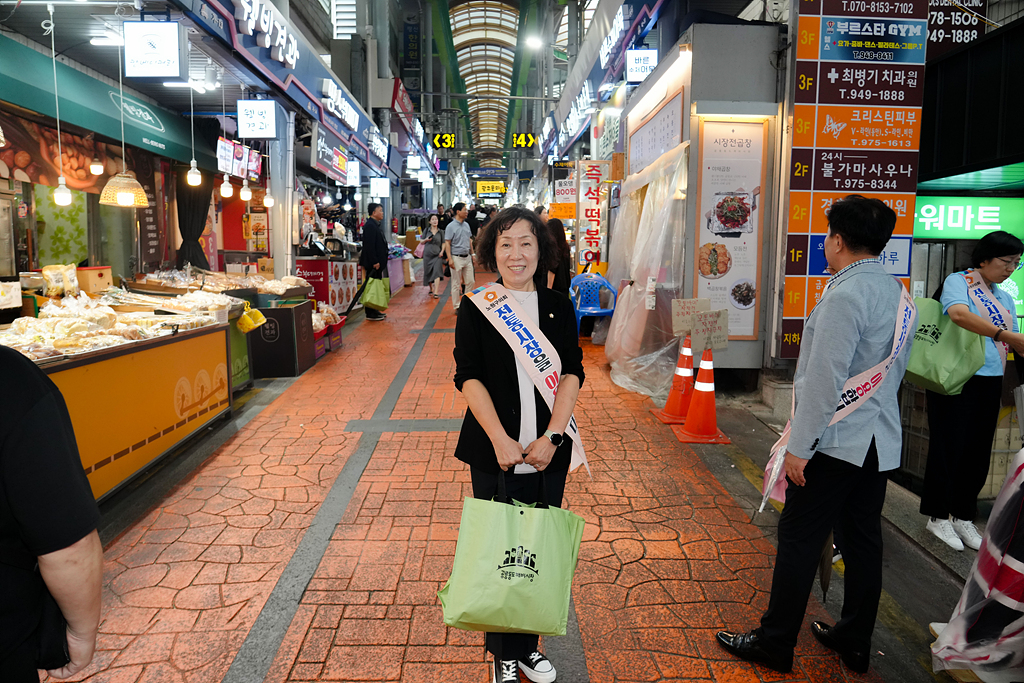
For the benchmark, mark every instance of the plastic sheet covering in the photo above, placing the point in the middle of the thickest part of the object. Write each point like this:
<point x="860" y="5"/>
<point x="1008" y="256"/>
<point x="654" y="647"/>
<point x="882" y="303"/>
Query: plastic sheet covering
<point x="641" y="347"/>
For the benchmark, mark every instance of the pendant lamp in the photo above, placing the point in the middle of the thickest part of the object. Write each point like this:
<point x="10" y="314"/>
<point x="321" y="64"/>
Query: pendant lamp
<point x="226" y="190"/>
<point x="62" y="195"/>
<point x="123" y="189"/>
<point x="268" y="201"/>
<point x="95" y="166"/>
<point x="193" y="177"/>
<point x="245" y="194"/>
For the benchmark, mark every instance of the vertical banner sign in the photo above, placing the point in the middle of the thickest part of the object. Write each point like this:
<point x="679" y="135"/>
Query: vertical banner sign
<point x="856" y="129"/>
<point x="950" y="26"/>
<point x="592" y="214"/>
<point x="728" y="270"/>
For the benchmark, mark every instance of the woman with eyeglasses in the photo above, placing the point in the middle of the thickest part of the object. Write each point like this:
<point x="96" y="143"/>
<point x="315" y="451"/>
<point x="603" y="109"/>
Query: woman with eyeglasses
<point x="961" y="427"/>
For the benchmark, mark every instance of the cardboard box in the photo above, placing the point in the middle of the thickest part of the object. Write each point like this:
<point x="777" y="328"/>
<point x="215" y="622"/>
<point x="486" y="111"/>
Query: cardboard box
<point x="266" y="266"/>
<point x="95" y="279"/>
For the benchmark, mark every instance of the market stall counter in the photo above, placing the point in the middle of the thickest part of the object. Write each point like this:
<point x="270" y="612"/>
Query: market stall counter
<point x="131" y="405"/>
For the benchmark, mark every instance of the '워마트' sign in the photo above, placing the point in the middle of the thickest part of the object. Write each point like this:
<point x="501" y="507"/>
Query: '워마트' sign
<point x="967" y="218"/>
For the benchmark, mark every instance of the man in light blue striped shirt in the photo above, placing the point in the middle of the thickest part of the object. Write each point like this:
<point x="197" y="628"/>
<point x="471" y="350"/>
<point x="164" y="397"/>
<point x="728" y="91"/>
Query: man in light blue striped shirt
<point x="836" y="472"/>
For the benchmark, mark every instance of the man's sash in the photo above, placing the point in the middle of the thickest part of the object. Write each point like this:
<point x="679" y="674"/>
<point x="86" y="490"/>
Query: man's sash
<point x="533" y="351"/>
<point x="987" y="304"/>
<point x="855" y="393"/>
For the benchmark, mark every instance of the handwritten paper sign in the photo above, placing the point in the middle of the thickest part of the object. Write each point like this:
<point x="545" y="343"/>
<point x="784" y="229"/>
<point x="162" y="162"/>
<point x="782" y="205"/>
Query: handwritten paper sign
<point x="710" y="331"/>
<point x="682" y="314"/>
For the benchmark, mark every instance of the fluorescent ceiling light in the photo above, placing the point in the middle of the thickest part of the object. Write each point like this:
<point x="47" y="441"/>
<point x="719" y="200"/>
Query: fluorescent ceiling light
<point x="534" y="43"/>
<point x="106" y="41"/>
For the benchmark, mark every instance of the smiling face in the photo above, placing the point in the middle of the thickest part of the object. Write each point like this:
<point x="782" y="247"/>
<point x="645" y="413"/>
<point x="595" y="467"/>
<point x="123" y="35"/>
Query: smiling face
<point x="516" y="254"/>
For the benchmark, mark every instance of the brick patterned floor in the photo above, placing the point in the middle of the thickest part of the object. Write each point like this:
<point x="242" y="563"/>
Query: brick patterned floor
<point x="667" y="558"/>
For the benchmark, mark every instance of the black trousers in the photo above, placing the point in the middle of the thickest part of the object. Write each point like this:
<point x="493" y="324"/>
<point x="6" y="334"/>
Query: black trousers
<point x="526" y="489"/>
<point x="960" y="429"/>
<point x="841" y="495"/>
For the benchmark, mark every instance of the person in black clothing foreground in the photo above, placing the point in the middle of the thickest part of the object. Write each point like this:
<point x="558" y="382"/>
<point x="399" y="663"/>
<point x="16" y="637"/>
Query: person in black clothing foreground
<point x="560" y="275"/>
<point x="48" y="519"/>
<point x="374" y="258"/>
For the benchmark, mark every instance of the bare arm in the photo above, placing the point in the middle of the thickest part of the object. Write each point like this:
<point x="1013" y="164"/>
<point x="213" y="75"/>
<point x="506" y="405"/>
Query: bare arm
<point x="448" y="251"/>
<point x="74" y="575"/>
<point x="507" y="450"/>
<point x="972" y="322"/>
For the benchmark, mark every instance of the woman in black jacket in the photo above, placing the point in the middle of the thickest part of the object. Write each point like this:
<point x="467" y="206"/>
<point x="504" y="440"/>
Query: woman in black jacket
<point x="501" y="430"/>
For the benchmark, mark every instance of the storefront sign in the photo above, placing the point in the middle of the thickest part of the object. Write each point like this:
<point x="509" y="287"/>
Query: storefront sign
<point x="155" y="49"/>
<point x="612" y="39"/>
<point x="581" y="109"/>
<point x="640" y="64"/>
<point x="662" y="132"/>
<point x="354" y="178"/>
<point x="490" y="188"/>
<point x="403" y="106"/>
<point x="378" y="145"/>
<point x="337" y="104"/>
<point x="563" y="206"/>
<point x="328" y="155"/>
<point x="261" y="19"/>
<point x="859" y="86"/>
<point x="727" y="266"/>
<point x="257" y="119"/>
<point x="225" y="155"/>
<point x="949" y="26"/>
<point x="592" y="214"/>
<point x="411" y="45"/>
<point x="967" y="218"/>
<point x="380" y="188"/>
<point x="487" y="172"/>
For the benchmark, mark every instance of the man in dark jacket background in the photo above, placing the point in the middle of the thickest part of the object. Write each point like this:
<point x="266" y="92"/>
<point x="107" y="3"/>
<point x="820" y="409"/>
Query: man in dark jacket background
<point x="374" y="258"/>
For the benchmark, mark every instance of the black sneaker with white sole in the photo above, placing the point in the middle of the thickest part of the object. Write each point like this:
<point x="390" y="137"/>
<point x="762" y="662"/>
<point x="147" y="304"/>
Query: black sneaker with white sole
<point x="505" y="671"/>
<point x="538" y="668"/>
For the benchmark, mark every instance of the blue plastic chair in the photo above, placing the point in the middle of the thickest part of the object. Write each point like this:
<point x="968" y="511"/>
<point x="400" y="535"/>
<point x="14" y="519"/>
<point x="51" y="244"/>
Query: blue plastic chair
<point x="585" y="292"/>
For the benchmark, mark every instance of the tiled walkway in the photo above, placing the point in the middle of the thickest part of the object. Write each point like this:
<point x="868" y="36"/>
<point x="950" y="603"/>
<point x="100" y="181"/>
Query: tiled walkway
<point x="667" y="558"/>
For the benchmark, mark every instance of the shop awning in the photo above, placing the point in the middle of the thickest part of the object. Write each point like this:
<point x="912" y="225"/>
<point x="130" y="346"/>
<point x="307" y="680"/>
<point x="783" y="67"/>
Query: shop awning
<point x="26" y="80"/>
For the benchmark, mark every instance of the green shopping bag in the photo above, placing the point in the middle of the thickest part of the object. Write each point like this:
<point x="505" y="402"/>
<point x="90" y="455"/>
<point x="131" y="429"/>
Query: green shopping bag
<point x="944" y="355"/>
<point x="376" y="294"/>
<point x="513" y="568"/>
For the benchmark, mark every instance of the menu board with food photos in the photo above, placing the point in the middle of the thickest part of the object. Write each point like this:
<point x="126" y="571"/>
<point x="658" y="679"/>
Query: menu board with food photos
<point x="729" y="218"/>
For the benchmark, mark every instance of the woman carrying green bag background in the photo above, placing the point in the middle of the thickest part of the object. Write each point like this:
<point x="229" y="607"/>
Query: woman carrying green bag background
<point x="961" y="427"/>
<point x="508" y="425"/>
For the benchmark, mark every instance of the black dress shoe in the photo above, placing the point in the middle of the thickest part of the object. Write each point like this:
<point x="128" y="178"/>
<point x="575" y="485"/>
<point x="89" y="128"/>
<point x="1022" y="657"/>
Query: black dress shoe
<point x="751" y="647"/>
<point x="857" y="661"/>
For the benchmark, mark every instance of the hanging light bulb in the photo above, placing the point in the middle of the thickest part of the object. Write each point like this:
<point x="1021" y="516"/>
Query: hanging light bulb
<point x="194" y="177"/>
<point x="348" y="207"/>
<point x="62" y="195"/>
<point x="245" y="194"/>
<point x="358" y="196"/>
<point x="225" y="188"/>
<point x="125" y="198"/>
<point x="268" y="201"/>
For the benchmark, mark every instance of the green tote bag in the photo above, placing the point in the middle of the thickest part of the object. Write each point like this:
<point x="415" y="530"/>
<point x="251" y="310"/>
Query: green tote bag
<point x="944" y="355"/>
<point x="513" y="568"/>
<point x="376" y="294"/>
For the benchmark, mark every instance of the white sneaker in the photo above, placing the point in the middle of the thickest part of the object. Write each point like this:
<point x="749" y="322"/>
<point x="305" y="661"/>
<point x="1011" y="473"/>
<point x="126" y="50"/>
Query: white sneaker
<point x="505" y="671"/>
<point x="967" y="532"/>
<point x="944" y="531"/>
<point x="538" y="668"/>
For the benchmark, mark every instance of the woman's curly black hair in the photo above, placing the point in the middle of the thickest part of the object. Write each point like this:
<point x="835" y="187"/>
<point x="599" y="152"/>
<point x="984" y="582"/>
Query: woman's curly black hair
<point x="546" y="249"/>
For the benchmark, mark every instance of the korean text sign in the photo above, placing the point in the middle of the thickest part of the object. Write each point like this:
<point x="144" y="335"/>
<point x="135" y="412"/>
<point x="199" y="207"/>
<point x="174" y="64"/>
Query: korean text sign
<point x="592" y="213"/>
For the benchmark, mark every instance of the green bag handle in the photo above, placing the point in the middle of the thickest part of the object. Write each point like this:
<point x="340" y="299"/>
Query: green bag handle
<point x="501" y="494"/>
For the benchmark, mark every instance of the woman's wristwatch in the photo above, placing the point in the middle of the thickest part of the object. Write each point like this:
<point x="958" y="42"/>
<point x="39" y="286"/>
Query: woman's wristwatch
<point x="554" y="438"/>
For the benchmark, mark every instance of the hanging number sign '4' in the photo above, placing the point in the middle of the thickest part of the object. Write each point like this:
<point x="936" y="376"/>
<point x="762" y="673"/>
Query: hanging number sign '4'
<point x="523" y="140"/>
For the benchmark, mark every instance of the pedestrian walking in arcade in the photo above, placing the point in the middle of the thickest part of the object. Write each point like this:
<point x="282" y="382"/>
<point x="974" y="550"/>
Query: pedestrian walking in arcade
<point x="864" y="323"/>
<point x="374" y="258"/>
<point x="458" y="240"/>
<point x="508" y="426"/>
<point x="433" y="268"/>
<point x="51" y="559"/>
<point x="961" y="427"/>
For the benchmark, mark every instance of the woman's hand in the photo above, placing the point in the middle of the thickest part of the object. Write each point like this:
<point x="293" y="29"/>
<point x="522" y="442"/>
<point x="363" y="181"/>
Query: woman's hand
<point x="508" y="452"/>
<point x="1014" y="339"/>
<point x="540" y="452"/>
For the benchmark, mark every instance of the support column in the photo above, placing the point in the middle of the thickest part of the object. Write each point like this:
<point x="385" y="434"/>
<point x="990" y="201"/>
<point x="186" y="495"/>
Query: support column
<point x="549" y="54"/>
<point x="382" y="32"/>
<point x="573" y="8"/>
<point x="285" y="209"/>
<point x="427" y="48"/>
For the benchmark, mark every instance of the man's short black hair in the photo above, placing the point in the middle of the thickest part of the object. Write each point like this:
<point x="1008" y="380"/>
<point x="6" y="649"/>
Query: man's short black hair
<point x="994" y="245"/>
<point x="547" y="252"/>
<point x="865" y="224"/>
<point x="458" y="207"/>
<point x="371" y="207"/>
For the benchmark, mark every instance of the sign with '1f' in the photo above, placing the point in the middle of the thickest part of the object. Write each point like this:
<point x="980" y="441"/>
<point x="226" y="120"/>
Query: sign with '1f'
<point x="858" y="87"/>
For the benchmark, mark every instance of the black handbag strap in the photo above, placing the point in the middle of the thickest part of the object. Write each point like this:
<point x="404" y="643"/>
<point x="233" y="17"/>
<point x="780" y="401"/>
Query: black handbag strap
<point x="501" y="494"/>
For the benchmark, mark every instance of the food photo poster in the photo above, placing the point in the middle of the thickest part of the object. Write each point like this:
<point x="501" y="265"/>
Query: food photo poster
<point x="729" y="216"/>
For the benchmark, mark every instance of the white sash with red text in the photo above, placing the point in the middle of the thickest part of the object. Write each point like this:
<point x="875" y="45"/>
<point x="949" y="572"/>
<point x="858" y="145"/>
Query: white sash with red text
<point x="988" y="305"/>
<point x="855" y="393"/>
<point x="532" y="349"/>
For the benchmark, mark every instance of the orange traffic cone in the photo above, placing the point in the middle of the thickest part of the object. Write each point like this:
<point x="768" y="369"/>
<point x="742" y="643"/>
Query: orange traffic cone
<point x="674" y="412"/>
<point x="701" y="422"/>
